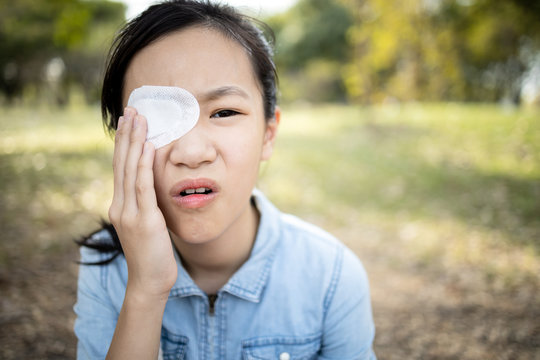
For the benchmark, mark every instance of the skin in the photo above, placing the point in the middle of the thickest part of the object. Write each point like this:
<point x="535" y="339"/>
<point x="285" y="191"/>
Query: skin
<point x="226" y="146"/>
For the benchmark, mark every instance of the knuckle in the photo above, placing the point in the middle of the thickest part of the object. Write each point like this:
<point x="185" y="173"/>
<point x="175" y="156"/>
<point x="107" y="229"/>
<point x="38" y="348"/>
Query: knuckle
<point x="140" y="187"/>
<point x="141" y="166"/>
<point x="134" y="137"/>
<point x="128" y="173"/>
<point x="118" y="136"/>
<point x="113" y="214"/>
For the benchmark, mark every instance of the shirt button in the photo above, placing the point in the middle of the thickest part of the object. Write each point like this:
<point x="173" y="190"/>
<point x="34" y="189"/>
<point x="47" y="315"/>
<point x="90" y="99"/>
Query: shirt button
<point x="284" y="356"/>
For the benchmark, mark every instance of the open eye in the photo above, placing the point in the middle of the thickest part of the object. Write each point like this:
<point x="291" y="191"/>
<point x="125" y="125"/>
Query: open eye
<point x="224" y="113"/>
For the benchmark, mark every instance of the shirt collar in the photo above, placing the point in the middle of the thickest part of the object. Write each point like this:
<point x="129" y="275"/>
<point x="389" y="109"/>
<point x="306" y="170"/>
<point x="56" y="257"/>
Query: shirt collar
<point x="249" y="281"/>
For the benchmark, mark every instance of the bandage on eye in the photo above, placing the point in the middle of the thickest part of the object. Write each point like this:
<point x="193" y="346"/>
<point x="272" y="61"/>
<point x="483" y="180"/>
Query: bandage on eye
<point x="171" y="112"/>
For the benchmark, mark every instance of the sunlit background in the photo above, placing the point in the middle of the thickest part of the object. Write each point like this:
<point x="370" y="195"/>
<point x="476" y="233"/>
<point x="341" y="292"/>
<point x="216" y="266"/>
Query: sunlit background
<point x="410" y="129"/>
<point x="262" y="7"/>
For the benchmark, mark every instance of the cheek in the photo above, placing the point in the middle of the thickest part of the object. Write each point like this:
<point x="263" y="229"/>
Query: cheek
<point x="243" y="146"/>
<point x="158" y="169"/>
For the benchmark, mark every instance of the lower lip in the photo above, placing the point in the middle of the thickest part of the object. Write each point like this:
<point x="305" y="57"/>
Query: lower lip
<point x="195" y="201"/>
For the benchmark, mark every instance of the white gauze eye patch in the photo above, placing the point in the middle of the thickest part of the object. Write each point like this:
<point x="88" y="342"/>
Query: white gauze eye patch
<point x="171" y="112"/>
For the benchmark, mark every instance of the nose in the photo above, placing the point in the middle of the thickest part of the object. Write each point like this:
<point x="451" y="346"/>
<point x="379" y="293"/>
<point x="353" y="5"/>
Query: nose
<point x="194" y="148"/>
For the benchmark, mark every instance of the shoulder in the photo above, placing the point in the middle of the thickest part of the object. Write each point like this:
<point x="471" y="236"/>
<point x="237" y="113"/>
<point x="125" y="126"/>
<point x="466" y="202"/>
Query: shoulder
<point x="319" y="253"/>
<point x="300" y="235"/>
<point x="313" y="262"/>
<point x="301" y="241"/>
<point x="302" y="227"/>
<point x="321" y="249"/>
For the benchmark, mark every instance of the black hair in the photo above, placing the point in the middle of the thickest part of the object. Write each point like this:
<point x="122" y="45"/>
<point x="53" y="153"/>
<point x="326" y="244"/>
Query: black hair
<point x="157" y="21"/>
<point x="104" y="240"/>
<point x="171" y="16"/>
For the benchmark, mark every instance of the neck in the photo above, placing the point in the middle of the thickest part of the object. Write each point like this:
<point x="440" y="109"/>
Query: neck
<point x="211" y="264"/>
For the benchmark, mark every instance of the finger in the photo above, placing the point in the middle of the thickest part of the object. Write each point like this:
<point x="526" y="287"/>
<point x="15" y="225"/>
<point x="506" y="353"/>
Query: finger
<point x="121" y="144"/>
<point x="136" y="141"/>
<point x="146" y="194"/>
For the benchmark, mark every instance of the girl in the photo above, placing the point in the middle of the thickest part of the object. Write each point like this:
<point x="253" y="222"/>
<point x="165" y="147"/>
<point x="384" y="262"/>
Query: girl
<point x="210" y="269"/>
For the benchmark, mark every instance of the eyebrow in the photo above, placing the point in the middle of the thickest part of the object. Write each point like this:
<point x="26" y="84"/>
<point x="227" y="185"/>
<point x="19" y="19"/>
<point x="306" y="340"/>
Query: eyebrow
<point x="224" y="91"/>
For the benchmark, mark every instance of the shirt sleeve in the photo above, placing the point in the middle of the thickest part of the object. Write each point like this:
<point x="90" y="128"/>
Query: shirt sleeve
<point x="348" y="326"/>
<point x="96" y="316"/>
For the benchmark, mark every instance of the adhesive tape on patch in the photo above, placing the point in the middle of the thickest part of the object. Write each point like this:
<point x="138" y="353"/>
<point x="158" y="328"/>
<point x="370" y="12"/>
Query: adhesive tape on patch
<point x="171" y="112"/>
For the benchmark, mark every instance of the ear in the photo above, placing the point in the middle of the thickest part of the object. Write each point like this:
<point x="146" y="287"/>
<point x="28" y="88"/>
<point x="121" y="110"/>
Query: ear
<point x="270" y="135"/>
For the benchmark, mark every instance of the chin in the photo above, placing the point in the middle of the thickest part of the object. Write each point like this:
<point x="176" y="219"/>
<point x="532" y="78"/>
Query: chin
<point x="192" y="235"/>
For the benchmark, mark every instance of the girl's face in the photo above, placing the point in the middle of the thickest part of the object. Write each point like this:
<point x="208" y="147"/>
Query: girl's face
<point x="222" y="153"/>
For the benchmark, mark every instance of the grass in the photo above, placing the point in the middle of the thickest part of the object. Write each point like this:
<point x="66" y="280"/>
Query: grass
<point x="440" y="201"/>
<point x="446" y="186"/>
<point x="55" y="176"/>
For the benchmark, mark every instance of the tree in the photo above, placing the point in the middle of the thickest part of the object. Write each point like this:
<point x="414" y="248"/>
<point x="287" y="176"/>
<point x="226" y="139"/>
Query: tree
<point x="441" y="49"/>
<point x="311" y="49"/>
<point x="34" y="32"/>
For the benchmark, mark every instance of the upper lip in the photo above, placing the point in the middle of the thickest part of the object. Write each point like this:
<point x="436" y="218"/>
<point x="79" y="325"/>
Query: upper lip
<point x="193" y="184"/>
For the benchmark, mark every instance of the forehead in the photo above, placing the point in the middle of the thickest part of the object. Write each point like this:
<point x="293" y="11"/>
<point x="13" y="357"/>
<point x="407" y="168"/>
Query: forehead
<point x="196" y="59"/>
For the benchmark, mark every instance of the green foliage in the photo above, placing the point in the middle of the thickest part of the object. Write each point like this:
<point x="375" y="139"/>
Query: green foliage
<point x="364" y="51"/>
<point x="32" y="32"/>
<point x="311" y="29"/>
<point x="441" y="49"/>
<point x="311" y="48"/>
<point x="70" y="26"/>
<point x="376" y="50"/>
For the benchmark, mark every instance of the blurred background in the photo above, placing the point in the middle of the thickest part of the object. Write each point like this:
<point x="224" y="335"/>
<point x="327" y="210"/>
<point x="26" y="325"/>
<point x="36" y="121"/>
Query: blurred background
<point x="410" y="130"/>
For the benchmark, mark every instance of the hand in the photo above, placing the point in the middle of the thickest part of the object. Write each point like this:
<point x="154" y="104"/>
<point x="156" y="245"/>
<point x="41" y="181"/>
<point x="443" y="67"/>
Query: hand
<point x="134" y="212"/>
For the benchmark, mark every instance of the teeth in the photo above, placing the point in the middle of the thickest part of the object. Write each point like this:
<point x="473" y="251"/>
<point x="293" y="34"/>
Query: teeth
<point x="201" y="190"/>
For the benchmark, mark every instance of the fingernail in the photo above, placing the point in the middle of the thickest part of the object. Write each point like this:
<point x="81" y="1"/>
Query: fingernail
<point x="136" y="122"/>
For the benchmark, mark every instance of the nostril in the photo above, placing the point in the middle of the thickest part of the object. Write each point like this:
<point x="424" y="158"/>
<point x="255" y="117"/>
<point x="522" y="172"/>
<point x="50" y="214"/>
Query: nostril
<point x="194" y="149"/>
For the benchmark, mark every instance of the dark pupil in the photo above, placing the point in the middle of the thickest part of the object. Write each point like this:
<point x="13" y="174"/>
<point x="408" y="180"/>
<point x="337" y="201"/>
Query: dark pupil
<point x="225" y="113"/>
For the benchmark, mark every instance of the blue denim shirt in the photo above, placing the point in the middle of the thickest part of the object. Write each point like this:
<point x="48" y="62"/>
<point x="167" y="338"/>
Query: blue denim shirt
<point x="301" y="295"/>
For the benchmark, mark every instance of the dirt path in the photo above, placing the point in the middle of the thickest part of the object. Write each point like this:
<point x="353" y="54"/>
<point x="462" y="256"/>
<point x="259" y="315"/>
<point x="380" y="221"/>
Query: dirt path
<point x="435" y="316"/>
<point x="36" y="317"/>
<point x="425" y="311"/>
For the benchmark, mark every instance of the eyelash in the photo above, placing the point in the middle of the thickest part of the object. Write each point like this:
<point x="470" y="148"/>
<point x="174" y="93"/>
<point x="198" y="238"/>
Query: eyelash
<point x="225" y="113"/>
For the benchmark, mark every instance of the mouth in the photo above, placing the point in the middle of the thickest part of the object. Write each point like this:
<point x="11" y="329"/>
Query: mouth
<point x="194" y="193"/>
